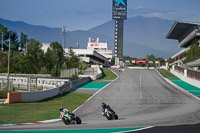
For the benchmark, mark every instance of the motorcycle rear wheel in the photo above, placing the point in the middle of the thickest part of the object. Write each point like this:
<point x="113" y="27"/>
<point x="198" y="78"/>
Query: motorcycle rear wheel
<point x="78" y="120"/>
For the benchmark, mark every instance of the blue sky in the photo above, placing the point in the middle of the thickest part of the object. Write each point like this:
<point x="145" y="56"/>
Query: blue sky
<point x="85" y="14"/>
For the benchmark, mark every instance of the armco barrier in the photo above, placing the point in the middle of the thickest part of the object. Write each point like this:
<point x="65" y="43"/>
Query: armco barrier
<point x="38" y="95"/>
<point x="17" y="97"/>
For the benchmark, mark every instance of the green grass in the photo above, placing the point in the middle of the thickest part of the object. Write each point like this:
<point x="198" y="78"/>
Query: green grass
<point x="44" y="110"/>
<point x="107" y="75"/>
<point x="167" y="74"/>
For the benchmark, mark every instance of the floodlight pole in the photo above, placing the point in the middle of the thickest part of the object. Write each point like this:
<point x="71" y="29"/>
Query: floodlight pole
<point x="9" y="59"/>
<point x="2" y="41"/>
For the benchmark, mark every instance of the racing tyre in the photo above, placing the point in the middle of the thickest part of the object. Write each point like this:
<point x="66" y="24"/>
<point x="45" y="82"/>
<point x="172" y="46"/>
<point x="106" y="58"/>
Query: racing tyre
<point x="67" y="122"/>
<point x="109" y="118"/>
<point x="116" y="117"/>
<point x="78" y="120"/>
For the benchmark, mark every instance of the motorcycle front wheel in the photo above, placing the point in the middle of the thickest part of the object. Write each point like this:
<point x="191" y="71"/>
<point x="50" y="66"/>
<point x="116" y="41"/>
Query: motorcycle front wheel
<point x="116" y="117"/>
<point x="67" y="122"/>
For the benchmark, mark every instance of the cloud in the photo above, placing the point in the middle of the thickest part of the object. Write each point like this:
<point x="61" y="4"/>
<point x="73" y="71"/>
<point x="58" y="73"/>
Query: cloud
<point x="83" y="12"/>
<point x="149" y="12"/>
<point x="139" y="7"/>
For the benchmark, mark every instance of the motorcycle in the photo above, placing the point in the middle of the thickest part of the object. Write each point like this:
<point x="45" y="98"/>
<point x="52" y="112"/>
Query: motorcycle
<point x="70" y="119"/>
<point x="110" y="114"/>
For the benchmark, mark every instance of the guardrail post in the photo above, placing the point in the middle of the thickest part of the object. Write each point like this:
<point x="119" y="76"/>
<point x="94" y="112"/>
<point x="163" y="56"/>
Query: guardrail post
<point x="1" y="83"/>
<point x="28" y="85"/>
<point x="185" y="72"/>
<point x="173" y="67"/>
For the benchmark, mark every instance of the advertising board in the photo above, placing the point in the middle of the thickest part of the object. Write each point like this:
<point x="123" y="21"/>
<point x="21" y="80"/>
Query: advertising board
<point x="119" y="5"/>
<point x="119" y="9"/>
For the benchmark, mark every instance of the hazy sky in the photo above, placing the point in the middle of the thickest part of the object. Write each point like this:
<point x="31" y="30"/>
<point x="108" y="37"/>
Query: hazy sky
<point x="85" y="14"/>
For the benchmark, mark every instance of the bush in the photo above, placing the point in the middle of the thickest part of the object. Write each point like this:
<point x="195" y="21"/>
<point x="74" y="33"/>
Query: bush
<point x="3" y="94"/>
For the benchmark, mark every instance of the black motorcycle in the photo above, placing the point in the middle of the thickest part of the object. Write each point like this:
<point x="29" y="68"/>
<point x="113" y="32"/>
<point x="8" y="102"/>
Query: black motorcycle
<point x="70" y="119"/>
<point x="110" y="114"/>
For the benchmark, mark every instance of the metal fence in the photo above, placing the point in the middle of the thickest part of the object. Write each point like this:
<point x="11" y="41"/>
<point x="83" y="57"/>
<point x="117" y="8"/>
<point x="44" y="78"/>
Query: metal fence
<point x="10" y="85"/>
<point x="179" y="69"/>
<point x="193" y="74"/>
<point x="188" y="72"/>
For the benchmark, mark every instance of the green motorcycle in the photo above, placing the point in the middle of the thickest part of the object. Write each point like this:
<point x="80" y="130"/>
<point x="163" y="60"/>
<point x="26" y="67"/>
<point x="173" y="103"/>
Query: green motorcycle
<point x="70" y="118"/>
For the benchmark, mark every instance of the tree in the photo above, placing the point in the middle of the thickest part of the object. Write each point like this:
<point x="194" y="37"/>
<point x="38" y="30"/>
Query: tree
<point x="64" y="66"/>
<point x="150" y="57"/>
<point x="72" y="59"/>
<point x="54" y="58"/>
<point x="193" y="53"/>
<point x="55" y="71"/>
<point x="23" y="39"/>
<point x="44" y="70"/>
<point x="18" y="61"/>
<point x="170" y="60"/>
<point x="3" y="31"/>
<point x="34" y="56"/>
<point x="14" y="41"/>
<point x="113" y="61"/>
<point x="13" y="36"/>
<point x="3" y="62"/>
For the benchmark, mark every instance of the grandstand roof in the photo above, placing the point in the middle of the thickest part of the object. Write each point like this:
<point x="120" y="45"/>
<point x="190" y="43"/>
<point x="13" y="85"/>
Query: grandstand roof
<point x="179" y="28"/>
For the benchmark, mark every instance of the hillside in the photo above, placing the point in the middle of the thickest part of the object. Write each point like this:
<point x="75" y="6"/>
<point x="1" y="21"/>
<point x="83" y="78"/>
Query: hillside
<point x="142" y="35"/>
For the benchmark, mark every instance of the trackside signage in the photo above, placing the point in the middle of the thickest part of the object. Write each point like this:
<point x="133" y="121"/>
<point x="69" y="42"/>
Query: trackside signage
<point x="119" y="5"/>
<point x="141" y="61"/>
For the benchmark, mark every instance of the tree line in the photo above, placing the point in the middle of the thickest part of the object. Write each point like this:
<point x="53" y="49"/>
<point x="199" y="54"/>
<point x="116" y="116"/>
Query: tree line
<point x="27" y="56"/>
<point x="128" y="60"/>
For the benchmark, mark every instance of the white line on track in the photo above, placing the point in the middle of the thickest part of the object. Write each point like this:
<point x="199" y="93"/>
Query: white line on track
<point x="135" y="130"/>
<point x="97" y="91"/>
<point x="178" y="87"/>
<point x="140" y="85"/>
<point x="55" y="120"/>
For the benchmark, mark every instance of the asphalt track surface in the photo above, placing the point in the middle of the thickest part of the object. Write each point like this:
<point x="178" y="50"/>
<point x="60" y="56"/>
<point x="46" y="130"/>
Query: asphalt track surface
<point x="141" y="98"/>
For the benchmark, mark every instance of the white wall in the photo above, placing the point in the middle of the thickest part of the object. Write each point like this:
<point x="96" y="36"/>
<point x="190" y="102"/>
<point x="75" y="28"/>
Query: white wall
<point x="186" y="79"/>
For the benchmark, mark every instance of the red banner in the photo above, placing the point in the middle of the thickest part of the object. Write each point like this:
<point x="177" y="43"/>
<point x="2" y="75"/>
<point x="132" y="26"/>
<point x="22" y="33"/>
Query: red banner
<point x="140" y="61"/>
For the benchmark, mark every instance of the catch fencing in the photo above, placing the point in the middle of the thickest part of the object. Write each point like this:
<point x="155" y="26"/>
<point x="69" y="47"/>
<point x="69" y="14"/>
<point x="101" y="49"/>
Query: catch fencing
<point x="30" y="84"/>
<point x="14" y="97"/>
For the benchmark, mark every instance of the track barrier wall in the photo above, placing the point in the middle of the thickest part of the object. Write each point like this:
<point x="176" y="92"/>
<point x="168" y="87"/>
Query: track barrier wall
<point x="17" y="97"/>
<point x="13" y="97"/>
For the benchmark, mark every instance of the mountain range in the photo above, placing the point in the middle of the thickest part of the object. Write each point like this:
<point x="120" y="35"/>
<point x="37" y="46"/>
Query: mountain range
<point x="142" y="36"/>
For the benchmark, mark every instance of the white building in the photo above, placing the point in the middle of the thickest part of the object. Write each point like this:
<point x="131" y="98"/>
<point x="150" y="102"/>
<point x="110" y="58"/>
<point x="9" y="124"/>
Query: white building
<point x="100" y="47"/>
<point x="90" y="55"/>
<point x="45" y="46"/>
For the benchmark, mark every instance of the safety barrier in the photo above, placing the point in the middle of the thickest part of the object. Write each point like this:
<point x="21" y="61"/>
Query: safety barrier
<point x="17" y="97"/>
<point x="185" y="77"/>
<point x="187" y="72"/>
<point x="94" y="72"/>
<point x="31" y="84"/>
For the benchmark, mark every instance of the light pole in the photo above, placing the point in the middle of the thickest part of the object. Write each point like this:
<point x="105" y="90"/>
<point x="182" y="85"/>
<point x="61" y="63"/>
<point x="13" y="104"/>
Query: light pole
<point x="2" y="40"/>
<point x="9" y="59"/>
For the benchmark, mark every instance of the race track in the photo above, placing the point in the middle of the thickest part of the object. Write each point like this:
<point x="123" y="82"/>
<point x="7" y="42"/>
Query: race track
<point x="139" y="97"/>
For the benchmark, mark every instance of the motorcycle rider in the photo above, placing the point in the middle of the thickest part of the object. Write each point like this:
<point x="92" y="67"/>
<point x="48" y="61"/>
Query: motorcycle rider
<point x="105" y="107"/>
<point x="65" y="112"/>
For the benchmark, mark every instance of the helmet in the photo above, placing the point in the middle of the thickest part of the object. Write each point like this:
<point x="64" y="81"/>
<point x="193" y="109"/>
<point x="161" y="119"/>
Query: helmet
<point x="61" y="109"/>
<point x="103" y="105"/>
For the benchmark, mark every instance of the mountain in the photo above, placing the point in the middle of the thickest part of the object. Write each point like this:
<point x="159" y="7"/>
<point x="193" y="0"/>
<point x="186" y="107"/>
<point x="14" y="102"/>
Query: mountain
<point x="47" y="35"/>
<point x="146" y="32"/>
<point x="142" y="35"/>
